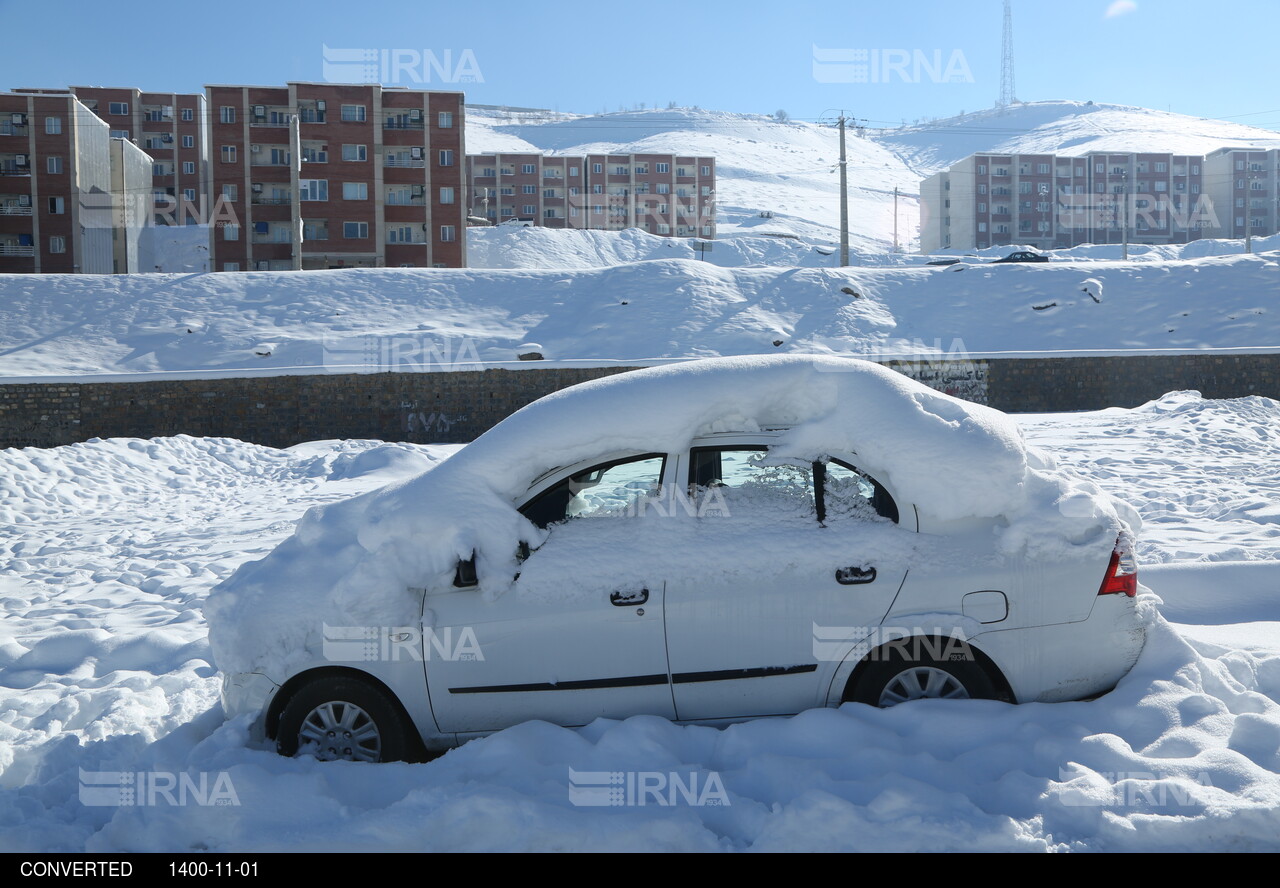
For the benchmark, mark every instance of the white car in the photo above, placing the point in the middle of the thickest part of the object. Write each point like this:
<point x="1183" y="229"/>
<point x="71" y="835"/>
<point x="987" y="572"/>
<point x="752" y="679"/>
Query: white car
<point x="715" y="541"/>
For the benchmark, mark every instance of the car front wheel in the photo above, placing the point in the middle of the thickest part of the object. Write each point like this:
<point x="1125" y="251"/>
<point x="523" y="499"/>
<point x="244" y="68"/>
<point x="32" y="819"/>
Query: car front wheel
<point x="898" y="678"/>
<point x="343" y="719"/>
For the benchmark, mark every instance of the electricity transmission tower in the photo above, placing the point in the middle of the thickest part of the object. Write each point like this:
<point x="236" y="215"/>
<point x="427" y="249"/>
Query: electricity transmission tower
<point x="1007" y="96"/>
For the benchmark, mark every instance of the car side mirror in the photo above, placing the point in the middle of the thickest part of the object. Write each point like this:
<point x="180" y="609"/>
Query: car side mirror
<point x="464" y="576"/>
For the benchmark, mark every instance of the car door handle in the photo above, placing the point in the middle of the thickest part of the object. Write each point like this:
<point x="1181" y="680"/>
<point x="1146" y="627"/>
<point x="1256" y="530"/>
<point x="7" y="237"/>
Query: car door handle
<point x="631" y="598"/>
<point x="855" y="576"/>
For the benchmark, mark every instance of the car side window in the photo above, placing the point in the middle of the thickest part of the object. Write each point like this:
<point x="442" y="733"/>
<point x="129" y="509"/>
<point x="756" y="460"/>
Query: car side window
<point x="745" y="478"/>
<point x="611" y="488"/>
<point x="848" y="493"/>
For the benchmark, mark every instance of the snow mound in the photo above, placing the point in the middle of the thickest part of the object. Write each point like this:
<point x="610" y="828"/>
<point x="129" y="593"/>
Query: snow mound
<point x="360" y="559"/>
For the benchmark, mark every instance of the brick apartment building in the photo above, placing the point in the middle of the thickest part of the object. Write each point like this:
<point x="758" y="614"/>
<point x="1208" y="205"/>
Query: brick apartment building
<point x="1052" y="202"/>
<point x="379" y="183"/>
<point x="63" y="206"/>
<point x="1245" y="187"/>
<point x="173" y="129"/>
<point x="663" y="194"/>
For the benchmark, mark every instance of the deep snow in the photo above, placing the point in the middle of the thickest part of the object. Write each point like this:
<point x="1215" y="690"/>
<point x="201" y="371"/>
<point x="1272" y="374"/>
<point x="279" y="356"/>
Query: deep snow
<point x="370" y="320"/>
<point x="110" y="547"/>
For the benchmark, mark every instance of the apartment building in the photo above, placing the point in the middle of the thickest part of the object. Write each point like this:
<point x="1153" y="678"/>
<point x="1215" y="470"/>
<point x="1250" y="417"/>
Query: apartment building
<point x="1245" y="186"/>
<point x="664" y="194"/>
<point x="368" y="176"/>
<point x="173" y="129"/>
<point x="1052" y="202"/>
<point x="59" y="209"/>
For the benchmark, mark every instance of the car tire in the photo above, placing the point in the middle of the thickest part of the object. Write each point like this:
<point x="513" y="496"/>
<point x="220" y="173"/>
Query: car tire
<point x="898" y="677"/>
<point x="344" y="719"/>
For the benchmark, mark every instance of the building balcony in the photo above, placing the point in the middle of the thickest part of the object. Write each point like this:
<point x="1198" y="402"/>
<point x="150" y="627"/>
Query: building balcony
<point x="403" y="122"/>
<point x="15" y="211"/>
<point x="17" y="250"/>
<point x="405" y="162"/>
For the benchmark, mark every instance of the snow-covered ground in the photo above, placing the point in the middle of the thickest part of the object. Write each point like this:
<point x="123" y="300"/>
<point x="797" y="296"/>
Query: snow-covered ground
<point x="110" y="547"/>
<point x="60" y="326"/>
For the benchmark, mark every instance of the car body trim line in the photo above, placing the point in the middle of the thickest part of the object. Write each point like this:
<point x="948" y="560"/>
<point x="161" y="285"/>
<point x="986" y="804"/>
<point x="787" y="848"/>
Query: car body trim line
<point x="731" y="674"/>
<point x="590" y="684"/>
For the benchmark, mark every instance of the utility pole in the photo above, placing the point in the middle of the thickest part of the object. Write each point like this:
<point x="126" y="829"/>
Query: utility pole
<point x="295" y="198"/>
<point x="1125" y="212"/>
<point x="895" y="218"/>
<point x="844" y="199"/>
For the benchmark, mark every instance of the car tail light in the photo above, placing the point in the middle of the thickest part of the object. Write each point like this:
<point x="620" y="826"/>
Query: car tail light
<point x="1122" y="571"/>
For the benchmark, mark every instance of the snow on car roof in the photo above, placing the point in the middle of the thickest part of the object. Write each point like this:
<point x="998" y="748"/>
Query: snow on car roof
<point x="354" y="560"/>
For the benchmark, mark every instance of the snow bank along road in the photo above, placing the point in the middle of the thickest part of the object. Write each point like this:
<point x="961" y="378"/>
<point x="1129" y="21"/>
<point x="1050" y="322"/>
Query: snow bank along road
<point x="109" y="548"/>
<point x="62" y="326"/>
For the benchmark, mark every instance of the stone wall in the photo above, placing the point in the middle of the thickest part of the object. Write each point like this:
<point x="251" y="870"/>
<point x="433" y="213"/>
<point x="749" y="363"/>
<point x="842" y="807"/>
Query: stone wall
<point x="453" y="407"/>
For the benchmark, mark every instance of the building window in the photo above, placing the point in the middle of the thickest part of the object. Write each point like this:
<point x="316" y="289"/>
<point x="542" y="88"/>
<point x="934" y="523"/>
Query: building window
<point x="230" y="193"/>
<point x="662" y="167"/>
<point x="121" y="108"/>
<point x="230" y="266"/>
<point x="448" y="233"/>
<point x="446" y="195"/>
<point x="573" y="171"/>
<point x="706" y="171"/>
<point x="53" y="165"/>
<point x="598" y="209"/>
<point x="313" y="189"/>
<point x="188" y="141"/>
<point x="53" y="126"/>
<point x="549" y="192"/>
<point x="119" y="134"/>
<point x="620" y="171"/>
<point x="188" y="114"/>
<point x="597" y="189"/>
<point x="597" y="168"/>
<point x="355" y="153"/>
<point x="228" y="153"/>
<point x="445" y="119"/>
<point x="528" y="189"/>
<point x="355" y="229"/>
<point x="528" y="209"/>
<point x="446" y="157"/>
<point x="57" y="206"/>
<point x="353" y="113"/>
<point x="663" y="188"/>
<point x="188" y="168"/>
<point x="231" y="232"/>
<point x="189" y="194"/>
<point x="663" y="228"/>
<point x="57" y="244"/>
<point x="227" y="114"/>
<point x="315" y="229"/>
<point x="527" y="168"/>
<point x="355" y="190"/>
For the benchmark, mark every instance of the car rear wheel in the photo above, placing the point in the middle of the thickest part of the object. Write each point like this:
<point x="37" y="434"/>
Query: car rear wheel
<point x="899" y="678"/>
<point x="343" y="719"/>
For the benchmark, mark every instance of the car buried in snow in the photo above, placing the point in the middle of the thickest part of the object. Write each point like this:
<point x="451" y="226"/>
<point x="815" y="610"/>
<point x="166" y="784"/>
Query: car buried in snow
<point x="709" y="542"/>
<point x="1021" y="256"/>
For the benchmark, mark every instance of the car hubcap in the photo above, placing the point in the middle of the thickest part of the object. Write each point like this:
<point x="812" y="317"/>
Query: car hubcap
<point x="339" y="731"/>
<point x="921" y="682"/>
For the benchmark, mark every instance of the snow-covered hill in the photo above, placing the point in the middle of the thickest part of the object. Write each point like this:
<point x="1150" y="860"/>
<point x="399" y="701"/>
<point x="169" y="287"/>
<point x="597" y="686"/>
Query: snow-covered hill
<point x="1065" y="128"/>
<point x="790" y="169"/>
<point x="319" y="321"/>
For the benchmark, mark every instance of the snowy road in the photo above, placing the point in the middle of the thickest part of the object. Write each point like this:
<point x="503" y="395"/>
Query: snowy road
<point x="109" y="549"/>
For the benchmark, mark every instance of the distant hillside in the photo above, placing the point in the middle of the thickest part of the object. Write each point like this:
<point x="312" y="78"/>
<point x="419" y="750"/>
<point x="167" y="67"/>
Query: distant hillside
<point x="790" y="169"/>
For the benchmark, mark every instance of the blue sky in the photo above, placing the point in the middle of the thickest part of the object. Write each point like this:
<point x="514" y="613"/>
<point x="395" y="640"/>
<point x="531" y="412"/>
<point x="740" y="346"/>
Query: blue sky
<point x="591" y="56"/>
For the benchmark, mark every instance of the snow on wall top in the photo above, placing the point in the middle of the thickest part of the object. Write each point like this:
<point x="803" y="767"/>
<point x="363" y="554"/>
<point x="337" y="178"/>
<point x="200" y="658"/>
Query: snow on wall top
<point x="355" y="560"/>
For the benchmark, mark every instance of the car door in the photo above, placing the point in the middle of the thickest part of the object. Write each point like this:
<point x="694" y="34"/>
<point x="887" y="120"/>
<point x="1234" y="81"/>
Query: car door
<point x="751" y="633"/>
<point x="580" y="635"/>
